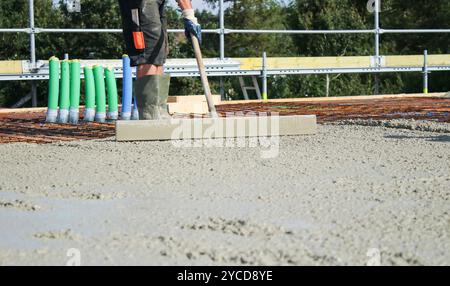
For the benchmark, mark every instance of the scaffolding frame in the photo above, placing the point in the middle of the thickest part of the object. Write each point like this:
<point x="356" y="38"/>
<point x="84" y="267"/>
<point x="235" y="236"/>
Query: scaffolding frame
<point x="32" y="30"/>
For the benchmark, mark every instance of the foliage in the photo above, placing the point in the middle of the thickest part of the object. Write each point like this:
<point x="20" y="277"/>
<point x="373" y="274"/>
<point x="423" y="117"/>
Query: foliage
<point x="244" y="14"/>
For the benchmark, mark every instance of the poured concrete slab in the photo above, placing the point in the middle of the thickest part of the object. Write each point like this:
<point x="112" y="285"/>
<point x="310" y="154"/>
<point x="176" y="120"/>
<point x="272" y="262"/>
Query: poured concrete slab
<point x="211" y="128"/>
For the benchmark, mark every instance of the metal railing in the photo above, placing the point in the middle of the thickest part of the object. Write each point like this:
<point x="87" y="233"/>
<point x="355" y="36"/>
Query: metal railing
<point x="222" y="32"/>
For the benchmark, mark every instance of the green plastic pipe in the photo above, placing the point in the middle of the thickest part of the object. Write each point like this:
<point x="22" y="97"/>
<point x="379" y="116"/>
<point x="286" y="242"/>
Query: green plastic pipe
<point x="100" y="94"/>
<point x="64" y="92"/>
<point x="53" y="90"/>
<point x="89" y="84"/>
<point x="111" y="86"/>
<point x="75" y="90"/>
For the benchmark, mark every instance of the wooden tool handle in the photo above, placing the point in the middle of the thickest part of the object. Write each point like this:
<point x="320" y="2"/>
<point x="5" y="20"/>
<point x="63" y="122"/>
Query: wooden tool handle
<point x="204" y="77"/>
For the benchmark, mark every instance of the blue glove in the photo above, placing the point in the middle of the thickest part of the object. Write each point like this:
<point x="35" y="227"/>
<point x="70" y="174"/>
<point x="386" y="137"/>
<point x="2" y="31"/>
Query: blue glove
<point x="191" y="25"/>
<point x="190" y="28"/>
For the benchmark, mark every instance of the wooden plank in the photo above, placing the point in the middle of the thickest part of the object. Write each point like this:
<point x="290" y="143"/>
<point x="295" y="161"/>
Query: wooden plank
<point x="307" y="99"/>
<point x="341" y="62"/>
<point x="15" y="67"/>
<point x="340" y="98"/>
<point x="178" y="104"/>
<point x="188" y="108"/>
<point x="215" y="128"/>
<point x="192" y="98"/>
<point x="417" y="60"/>
<point x="439" y="60"/>
<point x="305" y="62"/>
<point x="193" y="104"/>
<point x="22" y="110"/>
<point x="11" y="67"/>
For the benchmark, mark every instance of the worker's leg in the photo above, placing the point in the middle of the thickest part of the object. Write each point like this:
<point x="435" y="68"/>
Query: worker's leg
<point x="144" y="70"/>
<point x="151" y="87"/>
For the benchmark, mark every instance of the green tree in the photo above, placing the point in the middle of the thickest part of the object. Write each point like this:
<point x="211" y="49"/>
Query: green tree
<point x="255" y="14"/>
<point x="15" y="46"/>
<point x="94" y="14"/>
<point x="243" y="14"/>
<point x="327" y="15"/>
<point x="424" y="14"/>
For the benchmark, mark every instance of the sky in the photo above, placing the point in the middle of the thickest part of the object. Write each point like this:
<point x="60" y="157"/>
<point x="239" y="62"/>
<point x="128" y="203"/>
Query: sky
<point x="198" y="4"/>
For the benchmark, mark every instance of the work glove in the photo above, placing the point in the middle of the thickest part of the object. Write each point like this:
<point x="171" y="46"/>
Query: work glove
<point x="191" y="25"/>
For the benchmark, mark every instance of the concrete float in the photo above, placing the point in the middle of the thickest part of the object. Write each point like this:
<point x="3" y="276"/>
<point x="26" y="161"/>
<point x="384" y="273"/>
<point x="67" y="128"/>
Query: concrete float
<point x="215" y="128"/>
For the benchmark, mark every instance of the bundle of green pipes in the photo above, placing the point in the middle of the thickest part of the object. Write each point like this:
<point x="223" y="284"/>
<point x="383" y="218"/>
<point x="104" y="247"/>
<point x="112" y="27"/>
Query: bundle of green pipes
<point x="65" y="91"/>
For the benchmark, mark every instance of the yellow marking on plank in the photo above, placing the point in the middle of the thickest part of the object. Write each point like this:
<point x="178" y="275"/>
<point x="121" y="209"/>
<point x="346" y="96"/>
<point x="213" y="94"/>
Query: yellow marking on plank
<point x="339" y="98"/>
<point x="304" y="62"/>
<point x="15" y="67"/>
<point x="417" y="60"/>
<point x="341" y="62"/>
<point x="11" y="67"/>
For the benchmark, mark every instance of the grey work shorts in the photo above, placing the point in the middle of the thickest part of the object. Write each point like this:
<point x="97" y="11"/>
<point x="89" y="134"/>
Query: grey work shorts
<point x="152" y="24"/>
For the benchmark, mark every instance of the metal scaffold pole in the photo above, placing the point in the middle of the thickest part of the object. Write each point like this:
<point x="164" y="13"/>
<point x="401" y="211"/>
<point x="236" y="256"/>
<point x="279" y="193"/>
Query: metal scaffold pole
<point x="264" y="76"/>
<point x="377" y="31"/>
<point x="223" y="67"/>
<point x="425" y="72"/>
<point x="222" y="43"/>
<point x="377" y="45"/>
<point x="32" y="51"/>
<point x="222" y="29"/>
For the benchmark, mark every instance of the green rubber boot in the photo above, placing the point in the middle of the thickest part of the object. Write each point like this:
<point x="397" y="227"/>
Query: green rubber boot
<point x="152" y="92"/>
